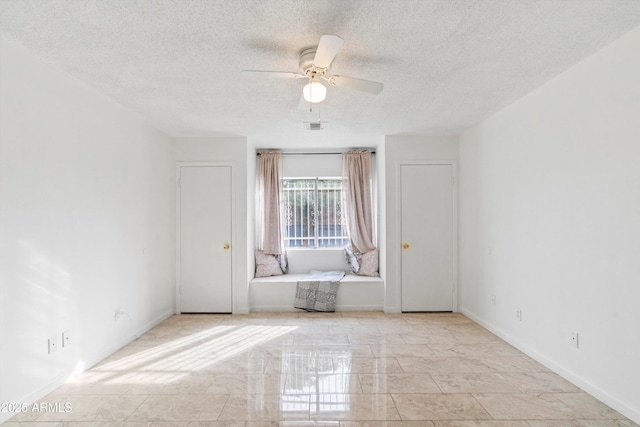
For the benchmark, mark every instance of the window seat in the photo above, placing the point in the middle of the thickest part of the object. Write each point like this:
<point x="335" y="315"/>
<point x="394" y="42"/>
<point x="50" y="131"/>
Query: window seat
<point x="278" y="293"/>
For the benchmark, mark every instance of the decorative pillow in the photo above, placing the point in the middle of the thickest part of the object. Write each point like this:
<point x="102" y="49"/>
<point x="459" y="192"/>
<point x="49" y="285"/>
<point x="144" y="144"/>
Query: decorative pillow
<point x="362" y="264"/>
<point x="368" y="263"/>
<point x="352" y="260"/>
<point x="284" y="262"/>
<point x="267" y="265"/>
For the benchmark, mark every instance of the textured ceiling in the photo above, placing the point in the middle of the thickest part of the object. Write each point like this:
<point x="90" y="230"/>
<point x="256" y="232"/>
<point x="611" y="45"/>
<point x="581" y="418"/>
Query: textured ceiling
<point x="445" y="64"/>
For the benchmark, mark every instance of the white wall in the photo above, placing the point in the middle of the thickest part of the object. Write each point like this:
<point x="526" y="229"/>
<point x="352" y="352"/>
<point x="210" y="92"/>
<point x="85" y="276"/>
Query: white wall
<point x="233" y="150"/>
<point x="251" y="212"/>
<point x="400" y="149"/>
<point x="86" y="220"/>
<point x="312" y="166"/>
<point x="381" y="193"/>
<point x="550" y="223"/>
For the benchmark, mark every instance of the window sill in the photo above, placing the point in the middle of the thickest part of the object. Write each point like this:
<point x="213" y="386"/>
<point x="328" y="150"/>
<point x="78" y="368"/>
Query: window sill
<point x="313" y="249"/>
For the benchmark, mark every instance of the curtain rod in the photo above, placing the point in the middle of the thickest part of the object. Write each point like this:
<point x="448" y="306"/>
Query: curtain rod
<point x="316" y="154"/>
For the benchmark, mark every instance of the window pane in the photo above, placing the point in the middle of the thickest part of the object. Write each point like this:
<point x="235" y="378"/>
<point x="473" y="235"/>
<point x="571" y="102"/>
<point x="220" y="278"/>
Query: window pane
<point x="330" y="230"/>
<point x="299" y="208"/>
<point x="313" y="213"/>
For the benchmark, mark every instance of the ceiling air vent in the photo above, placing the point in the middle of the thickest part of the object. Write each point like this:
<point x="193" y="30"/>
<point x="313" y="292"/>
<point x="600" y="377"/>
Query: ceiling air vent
<point x="314" y="125"/>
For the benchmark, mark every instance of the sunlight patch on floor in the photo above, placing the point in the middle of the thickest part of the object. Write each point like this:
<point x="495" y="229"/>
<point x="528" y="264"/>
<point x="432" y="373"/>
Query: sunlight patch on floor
<point x="179" y="358"/>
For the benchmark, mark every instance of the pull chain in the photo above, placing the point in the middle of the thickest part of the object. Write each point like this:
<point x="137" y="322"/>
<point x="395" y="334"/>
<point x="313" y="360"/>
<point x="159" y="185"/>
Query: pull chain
<point x="310" y="95"/>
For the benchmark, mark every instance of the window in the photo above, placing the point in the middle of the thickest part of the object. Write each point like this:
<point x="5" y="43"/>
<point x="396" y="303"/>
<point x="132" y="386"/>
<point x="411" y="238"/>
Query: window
<point x="313" y="213"/>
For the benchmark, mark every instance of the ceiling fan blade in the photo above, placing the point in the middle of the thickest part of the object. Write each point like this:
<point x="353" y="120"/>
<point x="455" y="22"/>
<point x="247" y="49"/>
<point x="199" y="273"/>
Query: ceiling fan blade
<point x="327" y="50"/>
<point x="277" y="74"/>
<point x="356" y="84"/>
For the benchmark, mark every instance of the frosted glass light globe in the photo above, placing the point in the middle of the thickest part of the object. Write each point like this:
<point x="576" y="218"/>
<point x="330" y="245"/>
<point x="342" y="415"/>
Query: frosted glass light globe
<point x="314" y="92"/>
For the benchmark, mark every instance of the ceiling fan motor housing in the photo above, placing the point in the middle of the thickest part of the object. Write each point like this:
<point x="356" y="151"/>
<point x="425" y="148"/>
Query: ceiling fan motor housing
<point x="308" y="68"/>
<point x="306" y="58"/>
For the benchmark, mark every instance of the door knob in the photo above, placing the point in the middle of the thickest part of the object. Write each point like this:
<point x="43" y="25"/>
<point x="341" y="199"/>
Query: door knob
<point x="226" y="246"/>
<point x="406" y="246"/>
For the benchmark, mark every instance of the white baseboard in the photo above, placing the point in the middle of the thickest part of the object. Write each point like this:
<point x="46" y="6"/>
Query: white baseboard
<point x="121" y="343"/>
<point x="63" y="377"/>
<point x="605" y="397"/>
<point x="359" y="308"/>
<point x="272" y="308"/>
<point x="289" y="308"/>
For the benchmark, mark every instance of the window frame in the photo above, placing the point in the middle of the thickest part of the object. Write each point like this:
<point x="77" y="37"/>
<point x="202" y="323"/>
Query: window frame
<point x="315" y="239"/>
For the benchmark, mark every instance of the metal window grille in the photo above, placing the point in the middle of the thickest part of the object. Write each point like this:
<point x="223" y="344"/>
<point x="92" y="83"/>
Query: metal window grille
<point x="313" y="213"/>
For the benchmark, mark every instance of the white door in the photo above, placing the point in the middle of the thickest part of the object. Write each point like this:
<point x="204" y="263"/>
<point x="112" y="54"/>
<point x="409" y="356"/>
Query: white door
<point x="427" y="230"/>
<point x="205" y="239"/>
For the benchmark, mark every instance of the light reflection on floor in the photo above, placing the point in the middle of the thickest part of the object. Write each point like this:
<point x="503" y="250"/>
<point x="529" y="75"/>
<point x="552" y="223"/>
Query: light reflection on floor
<point x="176" y="359"/>
<point x="323" y="374"/>
<point x="314" y="376"/>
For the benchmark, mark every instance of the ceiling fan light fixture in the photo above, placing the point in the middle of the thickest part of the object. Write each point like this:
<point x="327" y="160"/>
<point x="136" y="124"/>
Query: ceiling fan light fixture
<point x="314" y="92"/>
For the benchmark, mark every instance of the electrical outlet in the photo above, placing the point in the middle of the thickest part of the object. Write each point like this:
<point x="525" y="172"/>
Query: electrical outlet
<point x="573" y="340"/>
<point x="53" y="344"/>
<point x="519" y="314"/>
<point x="493" y="299"/>
<point x="66" y="338"/>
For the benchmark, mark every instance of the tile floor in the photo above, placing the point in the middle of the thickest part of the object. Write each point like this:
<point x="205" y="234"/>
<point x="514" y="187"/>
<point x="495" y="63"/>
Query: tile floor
<point x="321" y="369"/>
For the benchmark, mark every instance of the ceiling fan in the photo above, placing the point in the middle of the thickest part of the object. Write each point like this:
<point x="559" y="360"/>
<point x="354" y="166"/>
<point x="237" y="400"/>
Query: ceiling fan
<point x="314" y="66"/>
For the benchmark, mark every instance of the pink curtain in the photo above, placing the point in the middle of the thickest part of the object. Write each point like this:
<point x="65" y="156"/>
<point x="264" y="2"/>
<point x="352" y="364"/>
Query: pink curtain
<point x="358" y="200"/>
<point x="269" y="195"/>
